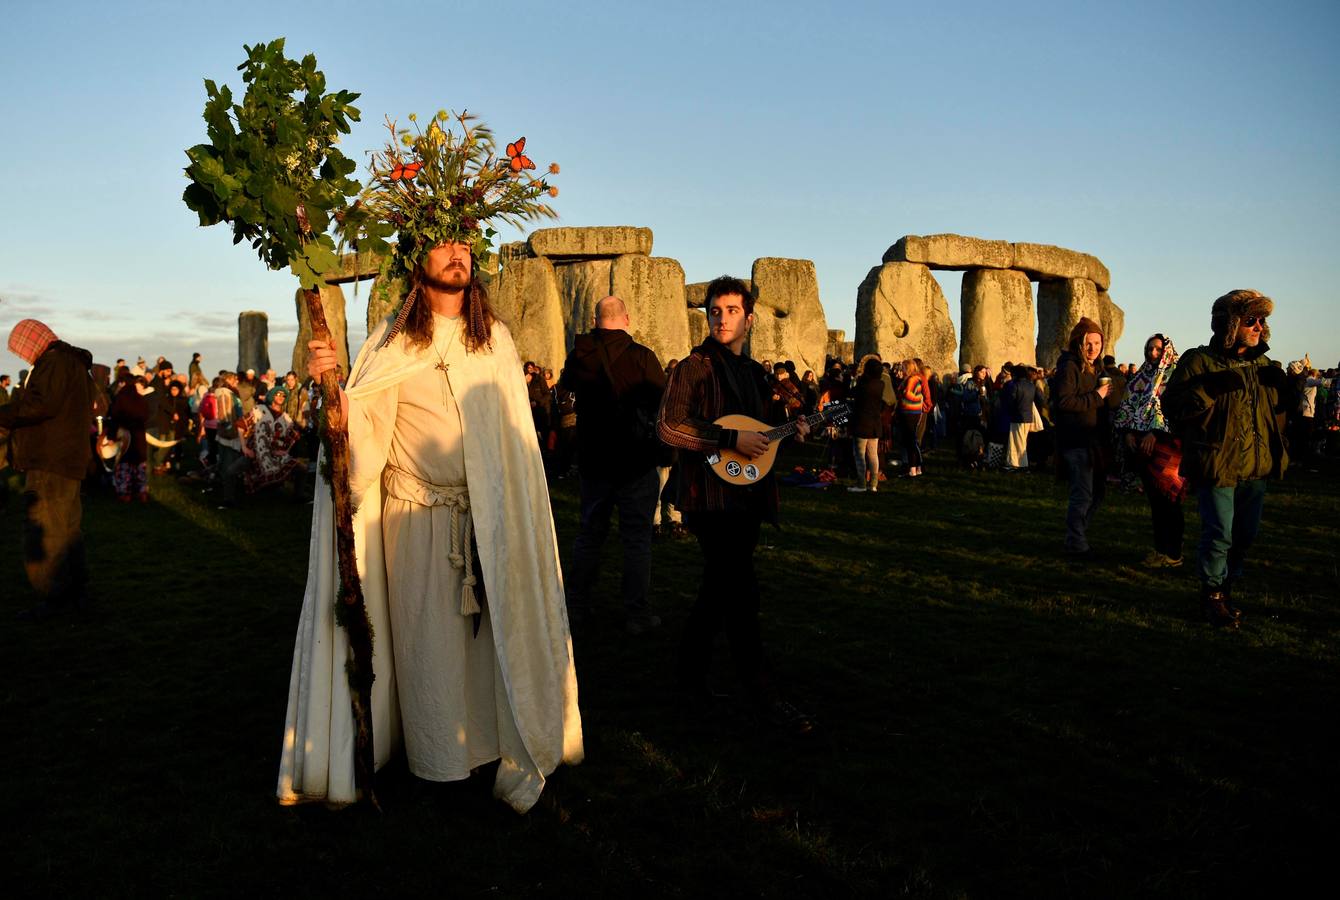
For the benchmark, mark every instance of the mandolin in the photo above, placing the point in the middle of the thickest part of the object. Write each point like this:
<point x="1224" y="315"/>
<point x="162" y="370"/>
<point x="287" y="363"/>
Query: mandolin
<point x="736" y="468"/>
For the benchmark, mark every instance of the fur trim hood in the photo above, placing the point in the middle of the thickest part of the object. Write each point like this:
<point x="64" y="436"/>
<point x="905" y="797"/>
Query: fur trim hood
<point x="1227" y="312"/>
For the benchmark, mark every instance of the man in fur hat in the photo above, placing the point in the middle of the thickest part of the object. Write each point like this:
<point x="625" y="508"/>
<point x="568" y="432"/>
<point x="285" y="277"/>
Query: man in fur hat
<point x="1228" y="403"/>
<point x="1079" y="407"/>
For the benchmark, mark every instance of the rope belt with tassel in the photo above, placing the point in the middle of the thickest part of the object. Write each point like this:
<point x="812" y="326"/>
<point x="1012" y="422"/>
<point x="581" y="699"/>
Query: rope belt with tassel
<point x="461" y="535"/>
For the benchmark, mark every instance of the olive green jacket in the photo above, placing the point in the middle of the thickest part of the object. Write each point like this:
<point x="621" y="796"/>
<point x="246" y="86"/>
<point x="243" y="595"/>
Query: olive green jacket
<point x="1231" y="427"/>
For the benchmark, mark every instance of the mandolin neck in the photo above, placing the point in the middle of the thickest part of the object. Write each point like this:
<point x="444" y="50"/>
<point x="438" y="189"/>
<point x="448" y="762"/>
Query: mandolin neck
<point x="784" y="431"/>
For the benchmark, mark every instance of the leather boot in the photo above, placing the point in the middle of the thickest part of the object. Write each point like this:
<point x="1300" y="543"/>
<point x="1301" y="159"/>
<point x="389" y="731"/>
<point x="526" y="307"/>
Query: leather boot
<point x="1216" y="609"/>
<point x="1227" y="590"/>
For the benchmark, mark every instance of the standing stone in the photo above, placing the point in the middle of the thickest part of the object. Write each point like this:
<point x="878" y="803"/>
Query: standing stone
<point x="695" y="294"/>
<point x="582" y="285"/>
<point x="901" y="312"/>
<point x="1061" y="304"/>
<point x="996" y="315"/>
<point x="384" y="299"/>
<point x="790" y="289"/>
<point x="653" y="290"/>
<point x="527" y="300"/>
<point x="698" y="330"/>
<point x="332" y="304"/>
<point x="837" y="345"/>
<point x="1113" y="320"/>
<point x="253" y="341"/>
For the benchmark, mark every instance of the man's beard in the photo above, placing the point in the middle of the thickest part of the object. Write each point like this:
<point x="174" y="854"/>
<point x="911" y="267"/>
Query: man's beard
<point x="454" y="278"/>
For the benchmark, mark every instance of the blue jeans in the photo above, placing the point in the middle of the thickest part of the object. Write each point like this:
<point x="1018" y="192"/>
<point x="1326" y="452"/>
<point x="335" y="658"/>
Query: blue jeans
<point x="1229" y="520"/>
<point x="636" y="502"/>
<point x="1086" y="494"/>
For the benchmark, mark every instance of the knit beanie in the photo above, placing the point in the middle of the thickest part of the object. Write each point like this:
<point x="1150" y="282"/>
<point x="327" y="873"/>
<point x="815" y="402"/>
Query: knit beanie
<point x="1084" y="326"/>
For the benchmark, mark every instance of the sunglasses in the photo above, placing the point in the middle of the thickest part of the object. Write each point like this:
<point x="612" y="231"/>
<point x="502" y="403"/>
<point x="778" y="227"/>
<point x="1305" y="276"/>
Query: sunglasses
<point x="1249" y="321"/>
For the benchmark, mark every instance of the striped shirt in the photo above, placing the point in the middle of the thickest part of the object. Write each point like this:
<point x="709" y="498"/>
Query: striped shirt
<point x="692" y="401"/>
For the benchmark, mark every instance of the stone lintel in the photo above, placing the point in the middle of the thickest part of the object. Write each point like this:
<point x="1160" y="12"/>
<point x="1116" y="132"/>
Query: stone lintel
<point x="1044" y="262"/>
<point x="587" y="243"/>
<point x="357" y="267"/>
<point x="956" y="252"/>
<point x="951" y="251"/>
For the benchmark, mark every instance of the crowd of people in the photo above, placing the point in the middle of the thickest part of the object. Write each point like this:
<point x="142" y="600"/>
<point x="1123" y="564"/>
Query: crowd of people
<point x="238" y="433"/>
<point x="1217" y="421"/>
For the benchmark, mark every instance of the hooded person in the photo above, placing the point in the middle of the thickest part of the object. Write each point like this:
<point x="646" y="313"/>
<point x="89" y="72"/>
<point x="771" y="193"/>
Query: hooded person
<point x="1153" y="449"/>
<point x="1079" y="411"/>
<point x="49" y="423"/>
<point x="453" y="534"/>
<point x="1228" y="402"/>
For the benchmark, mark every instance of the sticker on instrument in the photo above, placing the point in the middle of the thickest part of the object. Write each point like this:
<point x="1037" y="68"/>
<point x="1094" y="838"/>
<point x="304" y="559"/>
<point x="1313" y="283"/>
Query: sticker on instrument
<point x="733" y="468"/>
<point x="713" y="458"/>
<point x="751" y="472"/>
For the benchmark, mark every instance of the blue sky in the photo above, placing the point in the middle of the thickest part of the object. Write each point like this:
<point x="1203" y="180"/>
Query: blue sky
<point x="1193" y="147"/>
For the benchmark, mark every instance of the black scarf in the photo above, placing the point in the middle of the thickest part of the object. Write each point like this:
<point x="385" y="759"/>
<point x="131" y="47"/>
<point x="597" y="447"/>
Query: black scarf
<point x="737" y="374"/>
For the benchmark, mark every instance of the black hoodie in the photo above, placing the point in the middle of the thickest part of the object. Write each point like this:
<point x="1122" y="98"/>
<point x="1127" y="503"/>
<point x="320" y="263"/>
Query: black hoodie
<point x="604" y="430"/>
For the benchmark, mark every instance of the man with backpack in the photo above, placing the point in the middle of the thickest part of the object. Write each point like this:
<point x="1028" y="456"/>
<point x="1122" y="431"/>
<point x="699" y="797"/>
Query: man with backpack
<point x="618" y="385"/>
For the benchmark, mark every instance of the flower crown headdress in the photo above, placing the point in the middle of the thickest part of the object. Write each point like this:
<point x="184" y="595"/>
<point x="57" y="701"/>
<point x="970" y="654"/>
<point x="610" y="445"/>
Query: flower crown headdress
<point x="433" y="185"/>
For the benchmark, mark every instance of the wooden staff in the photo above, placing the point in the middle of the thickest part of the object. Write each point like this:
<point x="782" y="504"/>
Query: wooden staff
<point x="350" y="611"/>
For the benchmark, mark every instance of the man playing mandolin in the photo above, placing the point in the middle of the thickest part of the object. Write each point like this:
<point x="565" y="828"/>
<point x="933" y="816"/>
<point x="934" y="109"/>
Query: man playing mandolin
<point x="718" y="379"/>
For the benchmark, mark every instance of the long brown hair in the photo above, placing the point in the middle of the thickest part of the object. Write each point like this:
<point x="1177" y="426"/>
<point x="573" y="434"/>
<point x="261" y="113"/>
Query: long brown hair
<point x="415" y="318"/>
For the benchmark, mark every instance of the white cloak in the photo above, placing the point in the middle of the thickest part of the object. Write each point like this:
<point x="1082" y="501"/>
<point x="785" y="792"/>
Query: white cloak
<point x="518" y="552"/>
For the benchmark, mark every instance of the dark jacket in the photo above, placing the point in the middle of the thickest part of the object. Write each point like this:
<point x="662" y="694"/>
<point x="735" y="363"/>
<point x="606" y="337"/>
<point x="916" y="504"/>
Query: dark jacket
<point x="867" y="406"/>
<point x="1076" y="405"/>
<point x="694" y="399"/>
<point x="130" y="411"/>
<point x="1023" y="395"/>
<point x="50" y="421"/>
<point x="1229" y="412"/>
<point x="607" y="432"/>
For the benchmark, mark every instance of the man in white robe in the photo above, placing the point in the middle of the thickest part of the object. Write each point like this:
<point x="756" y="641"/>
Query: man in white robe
<point x="444" y="466"/>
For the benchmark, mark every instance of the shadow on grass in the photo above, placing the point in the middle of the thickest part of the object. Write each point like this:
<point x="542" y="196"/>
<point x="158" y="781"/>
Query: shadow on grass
<point x="994" y="721"/>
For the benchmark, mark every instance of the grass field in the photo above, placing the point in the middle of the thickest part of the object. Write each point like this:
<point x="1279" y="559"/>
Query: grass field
<point x="994" y="721"/>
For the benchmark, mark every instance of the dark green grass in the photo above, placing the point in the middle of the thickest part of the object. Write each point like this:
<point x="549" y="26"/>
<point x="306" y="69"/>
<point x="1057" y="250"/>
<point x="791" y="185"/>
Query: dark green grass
<point x="994" y="720"/>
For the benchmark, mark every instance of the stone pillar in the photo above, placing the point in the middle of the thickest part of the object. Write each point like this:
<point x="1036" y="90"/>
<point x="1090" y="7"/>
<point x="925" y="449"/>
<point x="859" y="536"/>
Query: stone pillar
<point x="698" y="331"/>
<point x="996" y="315"/>
<point x="384" y="299"/>
<point x="653" y="290"/>
<point x="332" y="304"/>
<point x="527" y="299"/>
<point x="901" y="312"/>
<point x="582" y="284"/>
<point x="789" y="290"/>
<point x="836" y="346"/>
<point x="1061" y="304"/>
<point x="1113" y="320"/>
<point x="253" y="341"/>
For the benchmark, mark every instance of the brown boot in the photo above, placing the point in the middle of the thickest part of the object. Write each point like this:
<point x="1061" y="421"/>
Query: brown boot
<point x="1217" y="612"/>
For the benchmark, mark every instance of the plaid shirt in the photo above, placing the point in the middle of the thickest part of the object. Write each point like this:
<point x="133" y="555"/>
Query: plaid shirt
<point x="30" y="339"/>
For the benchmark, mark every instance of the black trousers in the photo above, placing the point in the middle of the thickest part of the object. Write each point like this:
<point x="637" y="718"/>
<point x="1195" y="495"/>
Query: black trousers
<point x="728" y="600"/>
<point x="1169" y="519"/>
